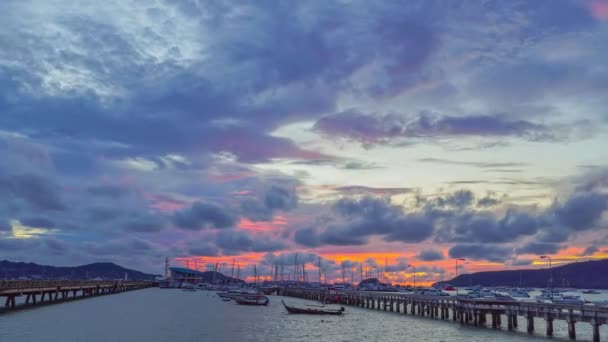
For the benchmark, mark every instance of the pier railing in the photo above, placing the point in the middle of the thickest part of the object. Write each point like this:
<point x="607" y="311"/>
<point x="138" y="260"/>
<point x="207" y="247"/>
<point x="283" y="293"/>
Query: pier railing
<point x="466" y="310"/>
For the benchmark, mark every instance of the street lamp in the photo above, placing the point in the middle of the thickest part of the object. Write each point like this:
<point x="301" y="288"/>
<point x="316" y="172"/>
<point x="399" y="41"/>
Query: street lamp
<point x="414" y="267"/>
<point x="550" y="274"/>
<point x="461" y="259"/>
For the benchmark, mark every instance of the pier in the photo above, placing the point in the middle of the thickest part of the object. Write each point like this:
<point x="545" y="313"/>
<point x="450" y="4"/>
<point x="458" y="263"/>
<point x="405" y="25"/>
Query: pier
<point x="55" y="291"/>
<point x="465" y="311"/>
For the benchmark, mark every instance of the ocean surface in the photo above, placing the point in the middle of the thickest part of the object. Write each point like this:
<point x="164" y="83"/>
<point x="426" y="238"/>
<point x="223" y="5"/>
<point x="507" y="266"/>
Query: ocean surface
<point x="170" y="315"/>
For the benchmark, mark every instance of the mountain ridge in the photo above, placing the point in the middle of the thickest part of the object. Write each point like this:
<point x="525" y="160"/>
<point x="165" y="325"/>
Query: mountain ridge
<point x="98" y="270"/>
<point x="583" y="274"/>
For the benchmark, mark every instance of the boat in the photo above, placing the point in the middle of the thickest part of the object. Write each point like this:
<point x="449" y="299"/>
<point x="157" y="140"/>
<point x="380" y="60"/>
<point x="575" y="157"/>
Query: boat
<point x="590" y="292"/>
<point x="313" y="311"/>
<point x="569" y="299"/>
<point x="226" y="299"/>
<point x="251" y="300"/>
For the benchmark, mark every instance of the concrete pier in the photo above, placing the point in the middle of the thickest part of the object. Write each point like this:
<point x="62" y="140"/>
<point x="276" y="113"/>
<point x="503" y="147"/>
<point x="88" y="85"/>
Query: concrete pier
<point x="469" y="311"/>
<point x="50" y="292"/>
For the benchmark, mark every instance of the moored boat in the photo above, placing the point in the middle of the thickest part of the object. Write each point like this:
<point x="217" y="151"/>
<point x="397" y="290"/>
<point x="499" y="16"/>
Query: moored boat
<point x="313" y="311"/>
<point x="251" y="300"/>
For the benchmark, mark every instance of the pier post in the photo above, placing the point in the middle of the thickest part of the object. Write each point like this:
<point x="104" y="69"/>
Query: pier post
<point x="413" y="308"/>
<point x="596" y="330"/>
<point x="498" y="319"/>
<point x="530" y="323"/>
<point x="454" y="318"/>
<point x="549" y="323"/>
<point x="510" y="321"/>
<point x="494" y="321"/>
<point x="515" y="321"/>
<point x="572" y="329"/>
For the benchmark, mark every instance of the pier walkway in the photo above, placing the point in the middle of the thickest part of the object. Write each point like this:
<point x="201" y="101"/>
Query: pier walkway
<point x="54" y="291"/>
<point x="467" y="311"/>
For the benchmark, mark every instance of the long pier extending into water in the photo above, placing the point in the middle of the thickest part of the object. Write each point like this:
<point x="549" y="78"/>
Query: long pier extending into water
<point x="467" y="311"/>
<point x="55" y="291"/>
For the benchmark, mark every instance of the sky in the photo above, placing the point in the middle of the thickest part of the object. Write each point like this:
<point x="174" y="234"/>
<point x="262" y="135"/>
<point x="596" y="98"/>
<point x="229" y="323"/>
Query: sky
<point x="368" y="135"/>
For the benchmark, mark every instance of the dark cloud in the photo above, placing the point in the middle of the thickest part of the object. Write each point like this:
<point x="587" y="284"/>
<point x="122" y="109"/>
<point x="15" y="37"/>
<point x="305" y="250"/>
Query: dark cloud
<point x="36" y="190"/>
<point x="37" y="222"/>
<point x="203" y="215"/>
<point x="486" y="227"/>
<point x="521" y="262"/>
<point x="307" y="237"/>
<point x="430" y="255"/>
<point x="539" y="248"/>
<point x="487" y="202"/>
<point x="359" y="189"/>
<point x="5" y="226"/>
<point x="480" y="252"/>
<point x="144" y="224"/>
<point x="276" y="198"/>
<point x="237" y="241"/>
<point x="110" y="191"/>
<point x="204" y="249"/>
<point x="582" y="211"/>
<point x="590" y="250"/>
<point x="471" y="163"/>
<point x="367" y="217"/>
<point x="374" y="129"/>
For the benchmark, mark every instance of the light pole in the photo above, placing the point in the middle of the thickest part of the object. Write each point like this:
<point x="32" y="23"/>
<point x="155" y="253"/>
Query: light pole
<point x="414" y="267"/>
<point x="461" y="259"/>
<point x="550" y="274"/>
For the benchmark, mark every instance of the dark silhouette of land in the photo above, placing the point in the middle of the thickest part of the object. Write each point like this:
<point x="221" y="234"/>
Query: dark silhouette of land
<point x="100" y="270"/>
<point x="581" y="275"/>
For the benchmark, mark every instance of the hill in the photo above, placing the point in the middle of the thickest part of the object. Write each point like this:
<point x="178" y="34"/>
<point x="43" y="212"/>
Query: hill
<point x="585" y="274"/>
<point x="100" y="270"/>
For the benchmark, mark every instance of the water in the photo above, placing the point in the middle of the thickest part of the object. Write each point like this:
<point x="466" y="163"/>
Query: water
<point x="161" y="315"/>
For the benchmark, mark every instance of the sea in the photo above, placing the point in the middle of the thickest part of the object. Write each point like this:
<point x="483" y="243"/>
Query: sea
<point x="173" y="315"/>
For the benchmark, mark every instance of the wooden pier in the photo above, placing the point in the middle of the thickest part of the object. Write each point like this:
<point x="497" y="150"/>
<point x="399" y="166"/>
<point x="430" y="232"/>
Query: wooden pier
<point x="51" y="291"/>
<point x="476" y="312"/>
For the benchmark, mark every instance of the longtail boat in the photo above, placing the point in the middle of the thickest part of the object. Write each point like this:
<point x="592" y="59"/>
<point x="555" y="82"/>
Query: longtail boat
<point x="312" y="311"/>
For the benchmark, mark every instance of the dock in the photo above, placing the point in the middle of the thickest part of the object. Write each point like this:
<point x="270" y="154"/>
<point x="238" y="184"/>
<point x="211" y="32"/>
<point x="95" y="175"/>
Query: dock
<point x="475" y="312"/>
<point x="45" y="292"/>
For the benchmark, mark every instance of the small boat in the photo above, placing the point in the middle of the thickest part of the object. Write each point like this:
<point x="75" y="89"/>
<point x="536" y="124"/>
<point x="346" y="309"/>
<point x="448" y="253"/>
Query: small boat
<point x="251" y="300"/>
<point x="590" y="292"/>
<point x="226" y="299"/>
<point x="313" y="311"/>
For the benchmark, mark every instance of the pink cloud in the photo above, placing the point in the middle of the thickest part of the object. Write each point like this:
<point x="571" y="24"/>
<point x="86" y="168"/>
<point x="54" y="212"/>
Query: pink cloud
<point x="599" y="9"/>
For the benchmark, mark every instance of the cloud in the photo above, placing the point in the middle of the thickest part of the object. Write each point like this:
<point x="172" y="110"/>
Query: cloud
<point x="590" y="250"/>
<point x="359" y="189"/>
<point x="5" y="226"/>
<point x="235" y="241"/>
<point x="36" y="190"/>
<point x="521" y="262"/>
<point x="582" y="211"/>
<point x="203" y="215"/>
<point x="472" y="163"/>
<point x="38" y="222"/>
<point x="144" y="224"/>
<point x="430" y="255"/>
<point x="275" y="198"/>
<point x="109" y="190"/>
<point x="487" y="202"/>
<point x="374" y="129"/>
<point x="539" y="248"/>
<point x="480" y="252"/>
